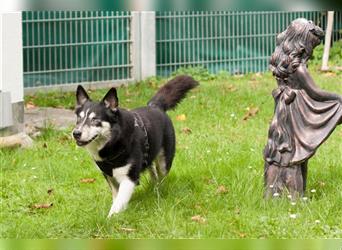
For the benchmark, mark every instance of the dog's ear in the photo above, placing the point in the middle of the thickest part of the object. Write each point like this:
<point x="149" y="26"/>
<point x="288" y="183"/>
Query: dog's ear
<point x="111" y="100"/>
<point x="81" y="95"/>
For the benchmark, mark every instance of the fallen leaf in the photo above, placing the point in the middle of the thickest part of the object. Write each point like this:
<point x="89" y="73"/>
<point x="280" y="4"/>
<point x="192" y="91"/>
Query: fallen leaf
<point x="197" y="206"/>
<point x="46" y="205"/>
<point x="183" y="147"/>
<point x="126" y="229"/>
<point x="242" y="235"/>
<point x="199" y="219"/>
<point x="181" y="117"/>
<point x="255" y="84"/>
<point x="229" y="88"/>
<point x="209" y="180"/>
<point x="222" y="190"/>
<point x="64" y="138"/>
<point x="330" y="74"/>
<point x="87" y="180"/>
<point x="50" y="191"/>
<point x="321" y="183"/>
<point x="258" y="74"/>
<point x="127" y="93"/>
<point x="30" y="105"/>
<point x="186" y="131"/>
<point x="250" y="113"/>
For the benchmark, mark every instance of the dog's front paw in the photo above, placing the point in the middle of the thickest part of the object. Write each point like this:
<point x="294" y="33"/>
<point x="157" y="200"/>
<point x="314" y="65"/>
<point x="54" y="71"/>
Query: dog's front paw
<point x="115" y="210"/>
<point x="110" y="214"/>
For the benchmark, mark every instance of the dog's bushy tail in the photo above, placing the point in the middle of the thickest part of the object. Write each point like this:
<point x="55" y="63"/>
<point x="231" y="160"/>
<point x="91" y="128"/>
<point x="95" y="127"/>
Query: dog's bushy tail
<point x="169" y="95"/>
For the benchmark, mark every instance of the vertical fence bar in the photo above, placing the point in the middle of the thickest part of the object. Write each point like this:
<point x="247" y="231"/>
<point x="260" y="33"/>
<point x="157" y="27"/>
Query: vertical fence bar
<point x="107" y="44"/>
<point x="122" y="52"/>
<point x="202" y="37"/>
<point x="33" y="43"/>
<point x="216" y="37"/>
<point x="78" y="40"/>
<point x="224" y="34"/>
<point x="229" y="42"/>
<point x="28" y="52"/>
<point x="183" y="38"/>
<point x="193" y="43"/>
<point x="50" y="50"/>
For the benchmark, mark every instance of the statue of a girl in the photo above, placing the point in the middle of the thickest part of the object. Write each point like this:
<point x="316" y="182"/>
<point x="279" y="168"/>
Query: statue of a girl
<point x="304" y="115"/>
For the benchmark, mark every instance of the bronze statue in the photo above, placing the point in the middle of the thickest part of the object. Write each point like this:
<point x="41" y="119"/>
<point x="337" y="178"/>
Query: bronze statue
<point x="304" y="115"/>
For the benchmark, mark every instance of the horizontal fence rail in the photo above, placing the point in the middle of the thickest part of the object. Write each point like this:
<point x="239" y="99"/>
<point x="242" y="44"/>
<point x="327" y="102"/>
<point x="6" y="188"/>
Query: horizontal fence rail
<point x="237" y="42"/>
<point x="65" y="47"/>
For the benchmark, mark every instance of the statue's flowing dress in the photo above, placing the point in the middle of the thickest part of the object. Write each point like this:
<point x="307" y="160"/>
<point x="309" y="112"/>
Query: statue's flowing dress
<point x="304" y="117"/>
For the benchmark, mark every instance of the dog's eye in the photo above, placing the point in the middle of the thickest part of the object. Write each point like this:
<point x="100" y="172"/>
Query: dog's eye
<point x="96" y="121"/>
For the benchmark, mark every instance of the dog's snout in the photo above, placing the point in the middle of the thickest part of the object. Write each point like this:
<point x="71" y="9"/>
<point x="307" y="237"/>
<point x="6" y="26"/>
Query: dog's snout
<point x="77" y="133"/>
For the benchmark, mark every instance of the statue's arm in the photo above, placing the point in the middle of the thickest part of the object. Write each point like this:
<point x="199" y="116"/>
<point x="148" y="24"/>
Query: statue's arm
<point x="308" y="84"/>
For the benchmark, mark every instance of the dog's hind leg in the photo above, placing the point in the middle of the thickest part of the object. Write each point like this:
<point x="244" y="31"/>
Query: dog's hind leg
<point x="164" y="160"/>
<point x="161" y="164"/>
<point x="153" y="172"/>
<point x="166" y="154"/>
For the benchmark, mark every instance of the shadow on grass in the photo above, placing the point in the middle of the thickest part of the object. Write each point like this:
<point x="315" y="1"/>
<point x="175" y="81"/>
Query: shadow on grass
<point x="167" y="187"/>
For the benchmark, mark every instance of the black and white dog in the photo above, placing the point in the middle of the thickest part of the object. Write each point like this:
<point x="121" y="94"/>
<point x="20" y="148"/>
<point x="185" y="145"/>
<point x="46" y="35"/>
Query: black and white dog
<point x="124" y="143"/>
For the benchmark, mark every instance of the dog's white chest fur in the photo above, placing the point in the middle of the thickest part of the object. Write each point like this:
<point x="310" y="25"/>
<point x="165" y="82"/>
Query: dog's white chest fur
<point x="93" y="149"/>
<point x="120" y="174"/>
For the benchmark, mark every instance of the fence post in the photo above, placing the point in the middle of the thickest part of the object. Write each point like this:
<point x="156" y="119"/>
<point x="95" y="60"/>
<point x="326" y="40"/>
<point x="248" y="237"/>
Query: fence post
<point x="11" y="74"/>
<point x="148" y="44"/>
<point x="328" y="33"/>
<point x="143" y="32"/>
<point x="136" y="46"/>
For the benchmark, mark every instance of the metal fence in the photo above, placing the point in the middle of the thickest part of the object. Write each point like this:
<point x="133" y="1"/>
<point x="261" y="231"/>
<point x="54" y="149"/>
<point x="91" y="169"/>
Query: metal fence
<point x="68" y="47"/>
<point x="238" y="42"/>
<point x="63" y="47"/>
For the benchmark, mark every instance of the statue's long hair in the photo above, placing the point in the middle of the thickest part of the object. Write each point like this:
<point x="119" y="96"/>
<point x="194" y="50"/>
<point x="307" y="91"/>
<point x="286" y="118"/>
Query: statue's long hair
<point x="294" y="46"/>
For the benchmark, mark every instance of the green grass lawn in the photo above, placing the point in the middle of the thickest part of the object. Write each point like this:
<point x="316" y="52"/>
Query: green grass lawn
<point x="217" y="175"/>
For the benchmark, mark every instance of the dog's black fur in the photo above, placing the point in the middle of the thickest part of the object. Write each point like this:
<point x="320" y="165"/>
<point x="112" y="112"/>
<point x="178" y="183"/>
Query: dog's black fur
<point x="128" y="142"/>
